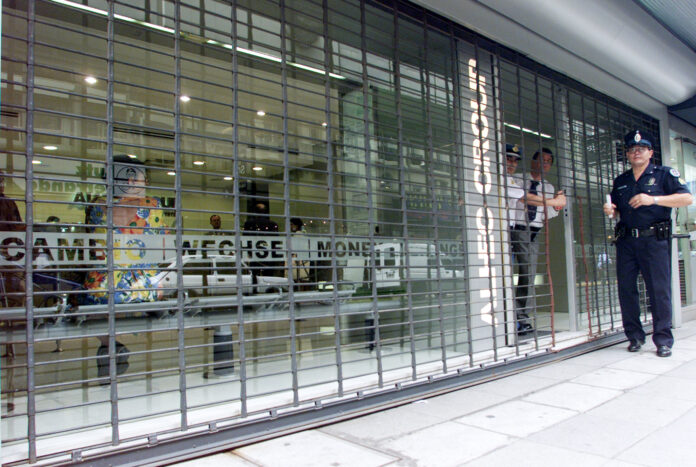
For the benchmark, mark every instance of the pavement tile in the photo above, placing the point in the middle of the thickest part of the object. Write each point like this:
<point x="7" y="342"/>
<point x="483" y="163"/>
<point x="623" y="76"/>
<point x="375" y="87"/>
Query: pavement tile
<point x="671" y="445"/>
<point x="686" y="370"/>
<point x="515" y="385"/>
<point x="594" y="435"/>
<point x="573" y="396"/>
<point x="618" y="463"/>
<point x="455" y="404"/>
<point x="446" y="444"/>
<point x="525" y="453"/>
<point x="312" y="448"/>
<point x="687" y="343"/>
<point x="517" y="418"/>
<point x="225" y="459"/>
<point x="614" y="378"/>
<point x="670" y="387"/>
<point x="647" y="362"/>
<point x="602" y="357"/>
<point x="649" y="409"/>
<point x="682" y="354"/>
<point x="564" y="370"/>
<point x="382" y="425"/>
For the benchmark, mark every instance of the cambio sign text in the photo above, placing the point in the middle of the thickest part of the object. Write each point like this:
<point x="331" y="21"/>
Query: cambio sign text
<point x="63" y="249"/>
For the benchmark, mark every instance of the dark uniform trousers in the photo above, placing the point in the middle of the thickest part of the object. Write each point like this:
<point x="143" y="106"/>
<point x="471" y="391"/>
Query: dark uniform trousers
<point x="525" y="254"/>
<point x="650" y="257"/>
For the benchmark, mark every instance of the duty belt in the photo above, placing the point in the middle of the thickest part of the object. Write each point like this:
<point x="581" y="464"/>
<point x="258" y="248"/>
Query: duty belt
<point x="660" y="230"/>
<point x="637" y="233"/>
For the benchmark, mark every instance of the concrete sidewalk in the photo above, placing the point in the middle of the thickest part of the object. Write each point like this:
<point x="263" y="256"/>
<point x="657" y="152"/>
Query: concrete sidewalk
<point x="606" y="408"/>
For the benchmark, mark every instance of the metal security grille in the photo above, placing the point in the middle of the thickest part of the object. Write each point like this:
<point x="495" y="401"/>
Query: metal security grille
<point x="596" y="132"/>
<point x="217" y="213"/>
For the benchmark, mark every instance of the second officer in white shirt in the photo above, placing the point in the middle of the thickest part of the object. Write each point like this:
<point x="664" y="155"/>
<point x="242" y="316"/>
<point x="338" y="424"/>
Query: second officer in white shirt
<point x="529" y="215"/>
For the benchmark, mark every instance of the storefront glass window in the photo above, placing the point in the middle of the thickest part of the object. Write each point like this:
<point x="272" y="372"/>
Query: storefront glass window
<point x="215" y="211"/>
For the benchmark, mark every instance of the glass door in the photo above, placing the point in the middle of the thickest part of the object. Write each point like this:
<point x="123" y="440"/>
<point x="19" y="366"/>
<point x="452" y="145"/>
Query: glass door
<point x="684" y="159"/>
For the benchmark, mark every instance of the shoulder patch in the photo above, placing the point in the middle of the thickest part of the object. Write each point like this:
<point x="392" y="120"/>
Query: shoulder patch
<point x="674" y="172"/>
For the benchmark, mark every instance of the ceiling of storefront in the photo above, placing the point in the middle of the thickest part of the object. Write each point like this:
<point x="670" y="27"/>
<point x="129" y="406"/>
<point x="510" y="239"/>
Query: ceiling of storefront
<point x="679" y="18"/>
<point x="620" y="47"/>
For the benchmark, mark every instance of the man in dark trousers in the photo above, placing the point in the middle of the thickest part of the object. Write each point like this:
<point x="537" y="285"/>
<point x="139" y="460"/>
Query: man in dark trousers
<point x="539" y="202"/>
<point x="644" y="197"/>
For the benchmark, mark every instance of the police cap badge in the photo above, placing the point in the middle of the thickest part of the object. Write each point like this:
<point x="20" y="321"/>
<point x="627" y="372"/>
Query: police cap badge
<point x="513" y="150"/>
<point x="639" y="138"/>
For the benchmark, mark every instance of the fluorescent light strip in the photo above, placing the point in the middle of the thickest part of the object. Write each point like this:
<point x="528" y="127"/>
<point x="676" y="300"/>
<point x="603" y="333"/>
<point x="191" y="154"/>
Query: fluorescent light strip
<point x="97" y="11"/>
<point x="527" y="130"/>
<point x="81" y="7"/>
<point x="142" y="23"/>
<point x="308" y="68"/>
<point x="270" y="57"/>
<point x="259" y="54"/>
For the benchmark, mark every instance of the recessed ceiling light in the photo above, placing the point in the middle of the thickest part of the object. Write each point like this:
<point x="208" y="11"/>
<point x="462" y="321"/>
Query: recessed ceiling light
<point x="50" y="148"/>
<point x="198" y="163"/>
<point x="184" y="98"/>
<point x="36" y="161"/>
<point x="256" y="168"/>
<point x="228" y="178"/>
<point x="90" y="80"/>
<point x="171" y="173"/>
<point x="260" y="113"/>
<point x="132" y="156"/>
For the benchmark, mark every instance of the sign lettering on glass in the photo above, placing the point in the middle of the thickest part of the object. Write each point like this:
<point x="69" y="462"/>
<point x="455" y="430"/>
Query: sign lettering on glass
<point x="485" y="220"/>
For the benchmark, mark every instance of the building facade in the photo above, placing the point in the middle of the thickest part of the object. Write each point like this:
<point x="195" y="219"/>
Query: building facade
<point x="221" y="214"/>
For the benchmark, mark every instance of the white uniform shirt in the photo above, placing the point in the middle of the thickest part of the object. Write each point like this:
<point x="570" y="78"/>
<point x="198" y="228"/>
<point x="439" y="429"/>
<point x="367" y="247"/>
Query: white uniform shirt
<point x="544" y="189"/>
<point x="514" y="193"/>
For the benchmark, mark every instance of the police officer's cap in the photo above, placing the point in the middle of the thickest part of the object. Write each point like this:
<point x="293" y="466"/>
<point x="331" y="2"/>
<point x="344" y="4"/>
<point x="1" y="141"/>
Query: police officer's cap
<point x="639" y="138"/>
<point x="513" y="150"/>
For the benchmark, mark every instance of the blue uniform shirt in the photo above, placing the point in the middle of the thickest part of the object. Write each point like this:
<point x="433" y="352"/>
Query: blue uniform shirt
<point x="655" y="181"/>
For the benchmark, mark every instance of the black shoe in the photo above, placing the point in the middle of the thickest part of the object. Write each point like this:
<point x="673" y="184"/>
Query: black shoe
<point x="634" y="346"/>
<point x="524" y="328"/>
<point x="663" y="351"/>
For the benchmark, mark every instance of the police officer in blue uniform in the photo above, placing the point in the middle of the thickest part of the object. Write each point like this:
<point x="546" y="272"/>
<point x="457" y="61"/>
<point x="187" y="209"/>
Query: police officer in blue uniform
<point x="644" y="197"/>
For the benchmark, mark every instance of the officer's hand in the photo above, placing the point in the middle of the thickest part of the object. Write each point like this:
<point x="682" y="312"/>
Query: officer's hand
<point x="610" y="209"/>
<point x="560" y="200"/>
<point x="641" y="199"/>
